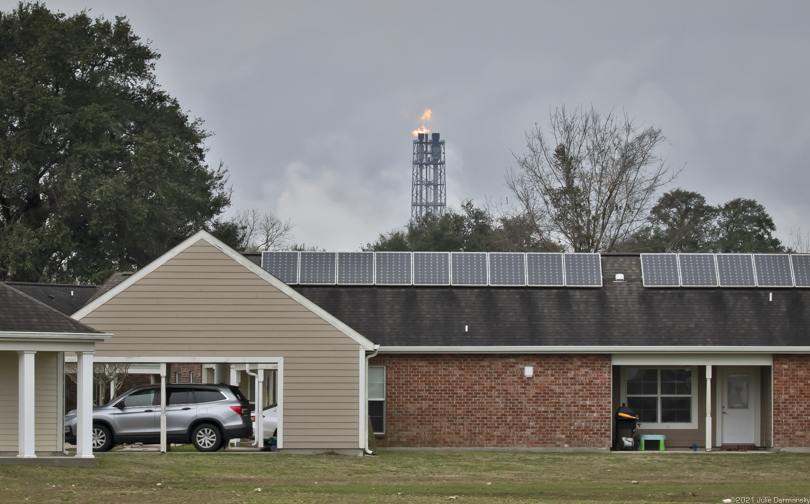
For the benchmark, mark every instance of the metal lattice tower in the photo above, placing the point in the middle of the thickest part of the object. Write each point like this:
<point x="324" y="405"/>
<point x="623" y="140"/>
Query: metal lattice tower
<point x="429" y="187"/>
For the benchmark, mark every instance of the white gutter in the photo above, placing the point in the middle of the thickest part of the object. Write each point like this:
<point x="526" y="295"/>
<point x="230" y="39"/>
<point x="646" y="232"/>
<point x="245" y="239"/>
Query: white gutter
<point x="365" y="387"/>
<point x="39" y="336"/>
<point x="558" y="349"/>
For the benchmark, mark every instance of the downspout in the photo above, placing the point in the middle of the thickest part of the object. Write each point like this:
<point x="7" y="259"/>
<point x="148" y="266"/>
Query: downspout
<point x="365" y="387"/>
<point x="258" y="423"/>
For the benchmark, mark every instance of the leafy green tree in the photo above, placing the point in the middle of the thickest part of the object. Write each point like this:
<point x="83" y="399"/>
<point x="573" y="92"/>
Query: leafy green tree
<point x="589" y="183"/>
<point x="100" y="169"/>
<point x="473" y="229"/>
<point x="681" y="221"/>
<point x="745" y="226"/>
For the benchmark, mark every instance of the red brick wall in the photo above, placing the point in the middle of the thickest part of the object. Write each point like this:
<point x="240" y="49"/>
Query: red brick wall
<point x="185" y="371"/>
<point x="485" y="401"/>
<point x="791" y="401"/>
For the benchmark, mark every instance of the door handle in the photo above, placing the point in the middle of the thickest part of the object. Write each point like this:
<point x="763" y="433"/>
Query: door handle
<point x="148" y="411"/>
<point x="186" y="409"/>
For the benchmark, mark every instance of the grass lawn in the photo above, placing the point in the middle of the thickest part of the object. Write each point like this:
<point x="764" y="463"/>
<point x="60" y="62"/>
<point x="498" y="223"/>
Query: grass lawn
<point x="415" y="476"/>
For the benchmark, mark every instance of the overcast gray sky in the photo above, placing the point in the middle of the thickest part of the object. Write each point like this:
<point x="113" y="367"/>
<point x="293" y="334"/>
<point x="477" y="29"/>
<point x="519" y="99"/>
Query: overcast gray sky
<point x="312" y="104"/>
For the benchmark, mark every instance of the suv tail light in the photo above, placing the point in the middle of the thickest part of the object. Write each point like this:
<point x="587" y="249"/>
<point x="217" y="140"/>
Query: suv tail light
<point x="238" y="410"/>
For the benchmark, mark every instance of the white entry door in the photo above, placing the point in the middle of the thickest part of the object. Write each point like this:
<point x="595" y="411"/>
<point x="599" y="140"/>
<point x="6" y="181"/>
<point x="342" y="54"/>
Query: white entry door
<point x="739" y="405"/>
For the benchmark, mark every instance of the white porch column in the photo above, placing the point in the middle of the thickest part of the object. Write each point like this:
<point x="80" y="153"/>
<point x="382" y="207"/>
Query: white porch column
<point x="162" y="407"/>
<point x="259" y="408"/>
<point x="708" y="408"/>
<point x="84" y="404"/>
<point x="27" y="413"/>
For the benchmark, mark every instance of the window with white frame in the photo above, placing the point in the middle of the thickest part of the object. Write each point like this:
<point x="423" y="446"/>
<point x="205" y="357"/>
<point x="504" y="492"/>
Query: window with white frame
<point x="376" y="398"/>
<point x="663" y="396"/>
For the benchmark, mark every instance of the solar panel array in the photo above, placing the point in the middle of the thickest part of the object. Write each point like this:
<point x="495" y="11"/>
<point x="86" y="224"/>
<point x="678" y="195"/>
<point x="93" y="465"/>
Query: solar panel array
<point x="583" y="270"/>
<point x="533" y="269"/>
<point x="545" y="269"/>
<point x="736" y="270"/>
<point x="282" y="265"/>
<point x="431" y="268"/>
<point x="507" y="269"/>
<point x="773" y="270"/>
<point x="801" y="269"/>
<point x="504" y="269"/>
<point x="726" y="270"/>
<point x="356" y="268"/>
<point x="469" y="268"/>
<point x="660" y="270"/>
<point x="394" y="268"/>
<point x="318" y="268"/>
<point x="698" y="270"/>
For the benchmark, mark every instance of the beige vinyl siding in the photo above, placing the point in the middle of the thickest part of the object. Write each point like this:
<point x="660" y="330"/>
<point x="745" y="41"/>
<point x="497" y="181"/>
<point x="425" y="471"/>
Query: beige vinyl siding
<point x="203" y="303"/>
<point x="9" y="406"/>
<point x="46" y="402"/>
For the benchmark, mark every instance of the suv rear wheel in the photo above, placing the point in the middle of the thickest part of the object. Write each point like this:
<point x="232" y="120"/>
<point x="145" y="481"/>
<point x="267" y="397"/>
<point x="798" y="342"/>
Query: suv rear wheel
<point x="206" y="438"/>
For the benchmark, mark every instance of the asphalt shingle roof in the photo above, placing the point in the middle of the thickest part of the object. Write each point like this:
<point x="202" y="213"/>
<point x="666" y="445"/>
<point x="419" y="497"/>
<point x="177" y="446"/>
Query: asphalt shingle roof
<point x="617" y="314"/>
<point x="67" y="299"/>
<point x="20" y="312"/>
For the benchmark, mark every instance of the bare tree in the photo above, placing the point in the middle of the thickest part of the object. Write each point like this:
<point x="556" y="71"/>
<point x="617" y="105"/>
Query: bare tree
<point x="799" y="243"/>
<point x="263" y="231"/>
<point x="591" y="182"/>
<point x="105" y="377"/>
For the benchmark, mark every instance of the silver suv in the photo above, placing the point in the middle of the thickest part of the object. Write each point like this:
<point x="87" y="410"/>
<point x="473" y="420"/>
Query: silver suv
<point x="207" y="416"/>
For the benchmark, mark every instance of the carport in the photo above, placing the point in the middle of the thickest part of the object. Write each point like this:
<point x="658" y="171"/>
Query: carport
<point x="205" y="303"/>
<point x="255" y="367"/>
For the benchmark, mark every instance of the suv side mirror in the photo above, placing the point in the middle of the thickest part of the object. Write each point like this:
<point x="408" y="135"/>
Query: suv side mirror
<point x="119" y="405"/>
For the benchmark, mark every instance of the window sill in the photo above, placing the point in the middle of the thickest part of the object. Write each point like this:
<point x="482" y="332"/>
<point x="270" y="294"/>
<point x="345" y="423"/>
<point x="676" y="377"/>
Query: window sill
<point x="667" y="426"/>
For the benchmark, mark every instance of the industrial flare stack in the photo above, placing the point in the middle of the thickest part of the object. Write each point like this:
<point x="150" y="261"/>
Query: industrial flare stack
<point x="429" y="187"/>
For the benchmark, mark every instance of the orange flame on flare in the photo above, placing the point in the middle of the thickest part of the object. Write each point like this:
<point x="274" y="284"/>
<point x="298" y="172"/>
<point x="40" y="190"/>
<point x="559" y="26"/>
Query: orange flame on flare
<point x="425" y="117"/>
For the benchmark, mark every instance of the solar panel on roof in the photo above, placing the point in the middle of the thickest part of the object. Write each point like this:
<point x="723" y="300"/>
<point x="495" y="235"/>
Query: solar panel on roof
<point x="801" y="269"/>
<point x="660" y="270"/>
<point x="282" y="265"/>
<point x="773" y="270"/>
<point x="697" y="270"/>
<point x="469" y="268"/>
<point x="431" y="268"/>
<point x="393" y="268"/>
<point x="507" y="268"/>
<point x="583" y="270"/>
<point x="545" y="269"/>
<point x="736" y="270"/>
<point x="318" y="268"/>
<point x="356" y="268"/>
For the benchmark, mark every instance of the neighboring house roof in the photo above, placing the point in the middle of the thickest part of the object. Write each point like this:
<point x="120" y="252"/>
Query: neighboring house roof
<point x="254" y="257"/>
<point x="619" y="314"/>
<point x="111" y="282"/>
<point x="22" y="313"/>
<point x="62" y="297"/>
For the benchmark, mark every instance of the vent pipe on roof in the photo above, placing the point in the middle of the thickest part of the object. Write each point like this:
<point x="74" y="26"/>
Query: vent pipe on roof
<point x="619" y="277"/>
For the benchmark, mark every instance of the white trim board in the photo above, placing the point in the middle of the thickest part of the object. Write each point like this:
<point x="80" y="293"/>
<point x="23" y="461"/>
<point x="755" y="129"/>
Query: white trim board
<point x="692" y="360"/>
<point x="53" y="336"/>
<point x="614" y="350"/>
<point x="161" y="359"/>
